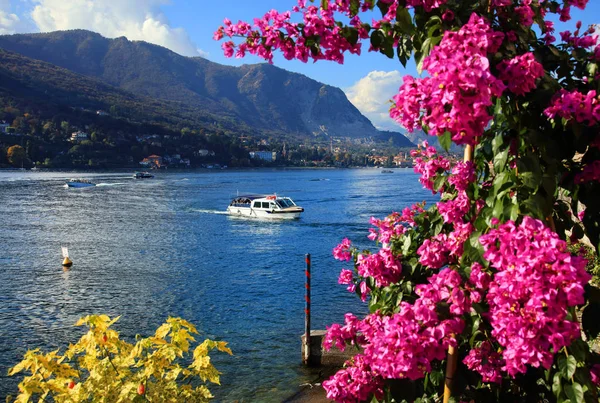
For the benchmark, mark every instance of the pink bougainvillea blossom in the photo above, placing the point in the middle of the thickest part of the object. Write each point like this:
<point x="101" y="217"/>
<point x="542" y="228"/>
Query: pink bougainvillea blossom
<point x="342" y="251"/>
<point x="486" y="362"/>
<point x="584" y="108"/>
<point x="520" y="73"/>
<point x="456" y="95"/>
<point x="531" y="322"/>
<point x="590" y="173"/>
<point x="383" y="267"/>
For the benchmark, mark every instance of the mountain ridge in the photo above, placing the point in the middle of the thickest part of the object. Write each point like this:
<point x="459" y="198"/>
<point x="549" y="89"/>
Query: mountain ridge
<point x="255" y="97"/>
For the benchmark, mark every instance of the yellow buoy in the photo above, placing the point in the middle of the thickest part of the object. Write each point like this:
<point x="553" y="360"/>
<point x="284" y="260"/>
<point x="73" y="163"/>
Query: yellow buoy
<point x="66" y="261"/>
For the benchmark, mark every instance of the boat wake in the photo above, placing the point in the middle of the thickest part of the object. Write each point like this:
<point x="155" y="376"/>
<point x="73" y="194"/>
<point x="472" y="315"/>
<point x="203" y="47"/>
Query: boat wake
<point x="208" y="211"/>
<point x="112" y="184"/>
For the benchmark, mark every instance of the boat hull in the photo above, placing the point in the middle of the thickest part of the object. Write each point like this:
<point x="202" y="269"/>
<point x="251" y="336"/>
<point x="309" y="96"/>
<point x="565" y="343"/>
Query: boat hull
<point x="79" y="185"/>
<point x="256" y="213"/>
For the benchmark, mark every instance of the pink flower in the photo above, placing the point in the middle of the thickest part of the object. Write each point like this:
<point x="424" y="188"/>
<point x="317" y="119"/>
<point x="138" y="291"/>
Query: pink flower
<point x="595" y="374"/>
<point x="434" y="252"/>
<point x="346" y="277"/>
<point x="486" y="362"/>
<point x="448" y="15"/>
<point x="342" y="251"/>
<point x="584" y="108"/>
<point x="520" y="73"/>
<point x="459" y="89"/>
<point x="530" y="321"/>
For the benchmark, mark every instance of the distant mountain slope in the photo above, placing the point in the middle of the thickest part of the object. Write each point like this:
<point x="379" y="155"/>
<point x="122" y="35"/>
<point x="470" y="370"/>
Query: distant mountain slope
<point x="47" y="86"/>
<point x="260" y="98"/>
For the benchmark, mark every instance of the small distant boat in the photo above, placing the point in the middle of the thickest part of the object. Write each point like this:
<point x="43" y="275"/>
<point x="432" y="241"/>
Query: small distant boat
<point x="387" y="171"/>
<point x="264" y="206"/>
<point x="80" y="183"/>
<point x="142" y="175"/>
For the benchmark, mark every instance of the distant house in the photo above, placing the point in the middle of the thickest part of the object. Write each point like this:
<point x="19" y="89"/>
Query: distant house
<point x="204" y="153"/>
<point x="101" y="113"/>
<point x="153" y="161"/>
<point x="78" y="136"/>
<point x="264" y="155"/>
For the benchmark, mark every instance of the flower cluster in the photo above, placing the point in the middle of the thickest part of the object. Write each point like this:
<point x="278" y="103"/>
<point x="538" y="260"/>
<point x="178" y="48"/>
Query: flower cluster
<point x="454" y="210"/>
<point x="486" y="362"/>
<point x="342" y="251"/>
<point x="429" y="164"/>
<point x="584" y="108"/>
<point x="520" y="73"/>
<point x="462" y="175"/>
<point x="456" y="95"/>
<point x="385" y="229"/>
<point x="382" y="266"/>
<point x="590" y="173"/>
<point x="402" y="345"/>
<point x="355" y="383"/>
<point x="531" y="322"/>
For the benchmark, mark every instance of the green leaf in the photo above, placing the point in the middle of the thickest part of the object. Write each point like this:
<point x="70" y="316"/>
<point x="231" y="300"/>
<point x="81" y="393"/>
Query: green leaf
<point x="557" y="384"/>
<point x="574" y="392"/>
<point x="580" y="350"/>
<point x="445" y="140"/>
<point x="497" y="143"/>
<point x="377" y="39"/>
<point x="436" y="377"/>
<point x="500" y="160"/>
<point x="324" y="4"/>
<point x="498" y="208"/>
<point x="567" y="366"/>
<point x="354" y="7"/>
<point x="404" y="21"/>
<point x="383" y="7"/>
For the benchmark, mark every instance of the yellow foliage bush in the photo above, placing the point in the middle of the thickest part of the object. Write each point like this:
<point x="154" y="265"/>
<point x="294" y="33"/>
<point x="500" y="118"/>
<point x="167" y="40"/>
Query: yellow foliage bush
<point x="101" y="367"/>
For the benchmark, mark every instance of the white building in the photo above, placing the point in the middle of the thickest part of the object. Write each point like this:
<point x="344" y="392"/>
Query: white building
<point x="264" y="155"/>
<point x="79" y="136"/>
<point x="204" y="153"/>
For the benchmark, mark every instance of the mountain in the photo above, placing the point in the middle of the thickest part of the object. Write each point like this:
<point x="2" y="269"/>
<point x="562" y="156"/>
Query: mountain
<point x="258" y="98"/>
<point x="44" y="86"/>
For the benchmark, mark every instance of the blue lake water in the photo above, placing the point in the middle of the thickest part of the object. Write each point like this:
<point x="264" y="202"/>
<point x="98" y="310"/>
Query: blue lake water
<point x="147" y="249"/>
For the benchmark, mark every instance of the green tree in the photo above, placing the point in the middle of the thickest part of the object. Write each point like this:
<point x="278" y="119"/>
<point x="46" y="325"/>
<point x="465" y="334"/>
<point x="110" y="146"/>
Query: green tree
<point x="16" y="155"/>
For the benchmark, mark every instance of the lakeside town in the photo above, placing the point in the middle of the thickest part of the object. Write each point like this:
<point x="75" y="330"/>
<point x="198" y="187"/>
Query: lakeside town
<point x="67" y="146"/>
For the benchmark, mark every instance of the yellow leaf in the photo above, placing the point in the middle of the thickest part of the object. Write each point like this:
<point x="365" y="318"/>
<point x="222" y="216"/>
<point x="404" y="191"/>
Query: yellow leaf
<point x="222" y="346"/>
<point x="162" y="331"/>
<point x="17" y="368"/>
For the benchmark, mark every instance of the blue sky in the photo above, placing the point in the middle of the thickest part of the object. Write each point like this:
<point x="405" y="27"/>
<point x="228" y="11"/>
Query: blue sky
<point x="187" y="28"/>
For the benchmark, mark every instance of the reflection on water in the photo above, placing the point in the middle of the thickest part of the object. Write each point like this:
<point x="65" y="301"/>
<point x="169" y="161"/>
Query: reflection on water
<point x="149" y="249"/>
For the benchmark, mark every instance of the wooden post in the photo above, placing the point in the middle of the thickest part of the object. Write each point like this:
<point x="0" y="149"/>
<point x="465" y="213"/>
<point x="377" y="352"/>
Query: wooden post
<point x="450" y="369"/>
<point x="452" y="353"/>
<point x="307" y="343"/>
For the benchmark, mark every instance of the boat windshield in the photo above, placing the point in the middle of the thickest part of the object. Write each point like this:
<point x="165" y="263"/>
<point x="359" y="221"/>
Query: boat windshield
<point x="288" y="202"/>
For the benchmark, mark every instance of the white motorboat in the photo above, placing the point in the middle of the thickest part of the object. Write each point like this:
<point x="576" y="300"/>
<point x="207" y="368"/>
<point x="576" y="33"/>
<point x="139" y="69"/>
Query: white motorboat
<point x="80" y="183"/>
<point x="264" y="206"/>
<point x="142" y="175"/>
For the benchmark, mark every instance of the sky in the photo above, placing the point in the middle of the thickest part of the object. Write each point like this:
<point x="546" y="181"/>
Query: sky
<point x="186" y="27"/>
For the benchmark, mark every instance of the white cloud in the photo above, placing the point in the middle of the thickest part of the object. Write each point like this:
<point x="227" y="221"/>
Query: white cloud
<point x="372" y="94"/>
<point x="135" y="19"/>
<point x="9" y="22"/>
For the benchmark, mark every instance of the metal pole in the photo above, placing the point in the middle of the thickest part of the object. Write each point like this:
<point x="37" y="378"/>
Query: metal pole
<point x="307" y="313"/>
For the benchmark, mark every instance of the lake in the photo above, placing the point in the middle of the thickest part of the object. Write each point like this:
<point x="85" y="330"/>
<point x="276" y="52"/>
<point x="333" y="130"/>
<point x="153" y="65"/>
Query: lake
<point x="147" y="249"/>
